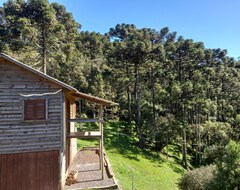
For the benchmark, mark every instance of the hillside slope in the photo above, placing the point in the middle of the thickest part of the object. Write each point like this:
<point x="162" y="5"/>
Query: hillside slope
<point x="141" y="169"/>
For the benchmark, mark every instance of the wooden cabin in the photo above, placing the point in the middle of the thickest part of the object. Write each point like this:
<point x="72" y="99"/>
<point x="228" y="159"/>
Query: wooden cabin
<point x="37" y="137"/>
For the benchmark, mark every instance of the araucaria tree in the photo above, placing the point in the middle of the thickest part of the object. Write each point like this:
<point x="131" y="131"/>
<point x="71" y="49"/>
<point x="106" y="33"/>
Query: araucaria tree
<point x="171" y="90"/>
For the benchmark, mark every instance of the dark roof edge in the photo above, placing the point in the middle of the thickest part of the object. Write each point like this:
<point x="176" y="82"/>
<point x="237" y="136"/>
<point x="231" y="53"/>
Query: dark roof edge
<point x="93" y="99"/>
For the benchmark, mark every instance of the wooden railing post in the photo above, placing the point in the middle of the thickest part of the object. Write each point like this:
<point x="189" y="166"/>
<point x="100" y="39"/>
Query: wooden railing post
<point x="101" y="140"/>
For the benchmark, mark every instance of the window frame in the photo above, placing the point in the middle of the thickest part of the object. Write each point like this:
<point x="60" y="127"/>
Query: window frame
<point x="35" y="99"/>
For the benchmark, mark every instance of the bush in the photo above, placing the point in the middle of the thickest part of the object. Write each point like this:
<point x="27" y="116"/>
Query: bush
<point x="197" y="179"/>
<point x="224" y="175"/>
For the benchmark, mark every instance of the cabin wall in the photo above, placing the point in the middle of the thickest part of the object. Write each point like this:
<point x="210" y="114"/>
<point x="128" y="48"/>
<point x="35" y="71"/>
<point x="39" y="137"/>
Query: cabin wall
<point x="17" y="135"/>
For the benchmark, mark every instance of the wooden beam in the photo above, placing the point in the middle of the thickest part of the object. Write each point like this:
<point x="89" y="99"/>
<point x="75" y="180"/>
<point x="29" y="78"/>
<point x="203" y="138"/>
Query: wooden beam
<point x="84" y="134"/>
<point x="85" y="120"/>
<point x="62" y="158"/>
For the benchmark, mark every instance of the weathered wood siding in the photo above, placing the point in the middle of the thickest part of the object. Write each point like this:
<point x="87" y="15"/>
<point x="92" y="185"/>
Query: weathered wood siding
<point x="15" y="134"/>
<point x="29" y="171"/>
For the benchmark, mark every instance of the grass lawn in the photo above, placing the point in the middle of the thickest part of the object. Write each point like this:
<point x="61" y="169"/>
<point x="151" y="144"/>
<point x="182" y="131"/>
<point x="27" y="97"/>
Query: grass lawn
<point x="142" y="169"/>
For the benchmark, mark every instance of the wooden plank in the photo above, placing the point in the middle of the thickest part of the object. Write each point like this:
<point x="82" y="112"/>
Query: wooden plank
<point x="29" y="86"/>
<point x="48" y="124"/>
<point x="85" y="120"/>
<point x="17" y="181"/>
<point x="32" y="169"/>
<point x="109" y="169"/>
<point x="10" y="112"/>
<point x="84" y="134"/>
<point x="26" y="134"/>
<point x="32" y="148"/>
<point x="29" y="149"/>
<point x="17" y="91"/>
<point x="25" y="141"/>
<point x="30" y="144"/>
<point x="1" y="173"/>
<point x="24" y="131"/>
<point x="4" y="172"/>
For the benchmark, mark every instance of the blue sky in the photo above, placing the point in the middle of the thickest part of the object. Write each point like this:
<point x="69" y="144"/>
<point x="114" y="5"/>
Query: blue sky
<point x="214" y="22"/>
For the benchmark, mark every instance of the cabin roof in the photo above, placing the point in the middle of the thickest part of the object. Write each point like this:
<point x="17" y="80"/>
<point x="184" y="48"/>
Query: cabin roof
<point x="73" y="91"/>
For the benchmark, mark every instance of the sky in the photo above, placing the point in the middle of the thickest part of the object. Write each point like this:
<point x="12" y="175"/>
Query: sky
<point x="214" y="22"/>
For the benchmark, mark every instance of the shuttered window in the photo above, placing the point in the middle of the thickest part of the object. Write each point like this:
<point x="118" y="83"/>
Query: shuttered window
<point x="35" y="109"/>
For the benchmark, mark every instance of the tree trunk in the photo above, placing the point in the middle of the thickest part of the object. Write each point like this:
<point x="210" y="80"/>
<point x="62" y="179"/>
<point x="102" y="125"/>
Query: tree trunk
<point x="44" y="62"/>
<point x="184" y="148"/>
<point x="129" y="99"/>
<point x="153" y="95"/>
<point x="184" y="138"/>
<point x="44" y="53"/>
<point x="138" y="105"/>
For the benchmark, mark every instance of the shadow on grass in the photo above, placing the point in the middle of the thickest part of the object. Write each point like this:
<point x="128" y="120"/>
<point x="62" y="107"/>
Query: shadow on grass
<point x="116" y="139"/>
<point x="123" y="145"/>
<point x="175" y="168"/>
<point x="175" y="158"/>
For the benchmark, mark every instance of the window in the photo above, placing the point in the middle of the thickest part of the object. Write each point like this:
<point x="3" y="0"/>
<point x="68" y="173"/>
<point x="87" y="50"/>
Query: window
<point x="35" y="109"/>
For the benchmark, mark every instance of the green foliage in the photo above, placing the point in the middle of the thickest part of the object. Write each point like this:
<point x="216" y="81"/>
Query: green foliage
<point x="235" y="128"/>
<point x="227" y="172"/>
<point x="213" y="137"/>
<point x="211" y="153"/>
<point x="217" y="133"/>
<point x="38" y="28"/>
<point x="197" y="179"/>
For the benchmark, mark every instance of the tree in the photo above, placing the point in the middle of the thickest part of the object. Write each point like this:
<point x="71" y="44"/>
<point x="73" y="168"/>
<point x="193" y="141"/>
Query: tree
<point x="43" y="19"/>
<point x="137" y="49"/>
<point x="39" y="28"/>
<point x="227" y="172"/>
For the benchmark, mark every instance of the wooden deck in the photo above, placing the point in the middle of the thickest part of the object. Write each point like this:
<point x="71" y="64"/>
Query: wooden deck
<point x="86" y="163"/>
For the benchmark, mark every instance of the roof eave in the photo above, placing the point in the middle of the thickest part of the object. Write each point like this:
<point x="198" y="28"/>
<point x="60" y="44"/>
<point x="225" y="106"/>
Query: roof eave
<point x="90" y="98"/>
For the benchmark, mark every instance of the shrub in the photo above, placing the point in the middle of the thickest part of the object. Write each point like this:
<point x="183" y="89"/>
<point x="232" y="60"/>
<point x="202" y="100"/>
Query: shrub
<point x="197" y="179"/>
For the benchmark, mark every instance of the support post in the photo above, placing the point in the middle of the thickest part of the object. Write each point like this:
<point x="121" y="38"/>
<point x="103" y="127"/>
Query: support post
<point x="101" y="156"/>
<point x="62" y="159"/>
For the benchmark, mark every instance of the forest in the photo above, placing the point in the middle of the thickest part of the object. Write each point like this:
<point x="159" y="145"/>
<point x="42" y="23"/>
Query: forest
<point x="170" y="90"/>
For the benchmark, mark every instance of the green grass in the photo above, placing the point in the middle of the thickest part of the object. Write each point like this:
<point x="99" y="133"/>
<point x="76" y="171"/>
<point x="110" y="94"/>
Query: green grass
<point x="144" y="169"/>
<point x="87" y="143"/>
<point x="81" y="143"/>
